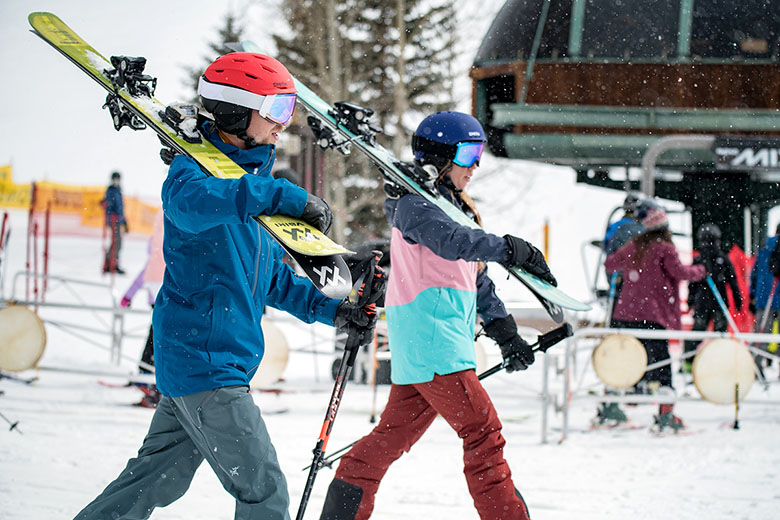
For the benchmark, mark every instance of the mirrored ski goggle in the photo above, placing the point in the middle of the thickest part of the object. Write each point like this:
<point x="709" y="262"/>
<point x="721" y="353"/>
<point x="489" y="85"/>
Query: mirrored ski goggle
<point x="278" y="108"/>
<point x="468" y="153"/>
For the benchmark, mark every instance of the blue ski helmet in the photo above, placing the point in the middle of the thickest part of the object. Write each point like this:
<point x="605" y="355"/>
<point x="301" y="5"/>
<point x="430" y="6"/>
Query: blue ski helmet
<point x="448" y="136"/>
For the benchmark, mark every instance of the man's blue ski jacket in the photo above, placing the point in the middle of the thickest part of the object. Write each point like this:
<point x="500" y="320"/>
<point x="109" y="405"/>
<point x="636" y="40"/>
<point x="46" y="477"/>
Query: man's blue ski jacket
<point x="222" y="269"/>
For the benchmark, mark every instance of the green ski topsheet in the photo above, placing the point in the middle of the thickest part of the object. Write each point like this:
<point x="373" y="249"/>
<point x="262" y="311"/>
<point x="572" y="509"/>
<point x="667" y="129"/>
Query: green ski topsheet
<point x="385" y="160"/>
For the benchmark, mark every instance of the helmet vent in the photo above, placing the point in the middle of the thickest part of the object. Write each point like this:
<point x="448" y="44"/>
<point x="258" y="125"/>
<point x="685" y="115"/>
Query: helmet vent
<point x="269" y="69"/>
<point x="250" y="76"/>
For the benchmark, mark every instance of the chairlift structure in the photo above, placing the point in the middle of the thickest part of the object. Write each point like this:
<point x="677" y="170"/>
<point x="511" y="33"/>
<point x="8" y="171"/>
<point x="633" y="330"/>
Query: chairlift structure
<point x="687" y="90"/>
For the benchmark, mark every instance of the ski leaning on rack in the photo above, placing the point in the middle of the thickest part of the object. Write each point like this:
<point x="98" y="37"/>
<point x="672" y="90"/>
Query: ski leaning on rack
<point x="345" y="125"/>
<point x="131" y="103"/>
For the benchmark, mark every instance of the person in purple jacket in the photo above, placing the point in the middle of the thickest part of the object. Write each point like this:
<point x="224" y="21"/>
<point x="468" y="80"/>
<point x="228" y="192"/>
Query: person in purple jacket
<point x="436" y="288"/>
<point x="650" y="298"/>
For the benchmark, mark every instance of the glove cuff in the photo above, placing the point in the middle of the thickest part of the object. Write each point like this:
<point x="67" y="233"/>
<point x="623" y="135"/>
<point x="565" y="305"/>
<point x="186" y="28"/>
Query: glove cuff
<point x="518" y="250"/>
<point x="501" y="330"/>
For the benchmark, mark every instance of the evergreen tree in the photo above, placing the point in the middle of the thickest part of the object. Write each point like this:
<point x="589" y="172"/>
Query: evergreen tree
<point x="392" y="56"/>
<point x="230" y="32"/>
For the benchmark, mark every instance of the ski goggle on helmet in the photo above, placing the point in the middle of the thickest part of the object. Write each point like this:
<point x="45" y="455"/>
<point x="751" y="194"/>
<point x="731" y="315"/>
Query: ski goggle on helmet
<point x="253" y="81"/>
<point x="449" y="136"/>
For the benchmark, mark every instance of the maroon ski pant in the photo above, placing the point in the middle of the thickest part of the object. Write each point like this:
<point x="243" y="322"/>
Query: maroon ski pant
<point x="460" y="399"/>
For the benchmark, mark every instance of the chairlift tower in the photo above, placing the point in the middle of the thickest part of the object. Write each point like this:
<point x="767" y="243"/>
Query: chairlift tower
<point x="676" y="98"/>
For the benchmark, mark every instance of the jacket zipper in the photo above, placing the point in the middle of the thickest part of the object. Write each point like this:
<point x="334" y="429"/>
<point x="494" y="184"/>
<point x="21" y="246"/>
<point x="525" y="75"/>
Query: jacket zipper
<point x="257" y="258"/>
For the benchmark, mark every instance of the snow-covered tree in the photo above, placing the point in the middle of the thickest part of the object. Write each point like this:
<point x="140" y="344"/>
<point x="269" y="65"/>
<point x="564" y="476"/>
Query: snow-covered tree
<point x="391" y="56"/>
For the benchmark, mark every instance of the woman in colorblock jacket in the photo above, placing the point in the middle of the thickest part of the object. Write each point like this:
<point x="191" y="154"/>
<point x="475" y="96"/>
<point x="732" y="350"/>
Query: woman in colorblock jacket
<point x="437" y="287"/>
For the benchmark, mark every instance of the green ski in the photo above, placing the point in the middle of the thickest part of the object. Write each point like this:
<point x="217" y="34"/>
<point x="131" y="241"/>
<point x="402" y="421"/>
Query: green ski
<point x="345" y="125"/>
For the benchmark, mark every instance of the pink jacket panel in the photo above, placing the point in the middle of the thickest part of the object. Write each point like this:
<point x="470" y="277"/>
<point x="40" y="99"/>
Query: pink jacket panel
<point x="416" y="268"/>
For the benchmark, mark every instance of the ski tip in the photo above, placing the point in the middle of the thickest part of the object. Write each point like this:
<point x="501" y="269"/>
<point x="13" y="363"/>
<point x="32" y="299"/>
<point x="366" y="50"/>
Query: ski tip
<point x="39" y="14"/>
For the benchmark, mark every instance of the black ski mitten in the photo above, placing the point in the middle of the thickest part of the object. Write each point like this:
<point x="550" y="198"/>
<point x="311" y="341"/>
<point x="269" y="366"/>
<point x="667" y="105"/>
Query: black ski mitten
<point x="317" y="213"/>
<point x="526" y="256"/>
<point x="352" y="318"/>
<point x="514" y="349"/>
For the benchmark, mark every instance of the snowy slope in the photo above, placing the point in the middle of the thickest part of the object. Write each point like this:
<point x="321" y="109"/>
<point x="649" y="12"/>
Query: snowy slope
<point x="77" y="434"/>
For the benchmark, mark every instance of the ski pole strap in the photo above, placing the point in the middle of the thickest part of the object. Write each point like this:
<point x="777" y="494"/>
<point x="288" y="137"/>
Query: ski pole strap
<point x="722" y="304"/>
<point x="371" y="280"/>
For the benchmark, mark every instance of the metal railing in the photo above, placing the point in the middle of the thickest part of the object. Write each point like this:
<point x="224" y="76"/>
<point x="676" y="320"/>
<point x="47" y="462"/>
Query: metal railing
<point x="561" y="397"/>
<point x="114" y="327"/>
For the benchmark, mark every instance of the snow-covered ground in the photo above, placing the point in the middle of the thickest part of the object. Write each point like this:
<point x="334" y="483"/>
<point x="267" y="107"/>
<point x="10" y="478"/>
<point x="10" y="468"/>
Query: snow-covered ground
<point x="78" y="433"/>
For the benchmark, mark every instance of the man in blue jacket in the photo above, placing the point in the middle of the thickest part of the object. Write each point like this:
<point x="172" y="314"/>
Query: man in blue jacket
<point x="115" y="222"/>
<point x="222" y="269"/>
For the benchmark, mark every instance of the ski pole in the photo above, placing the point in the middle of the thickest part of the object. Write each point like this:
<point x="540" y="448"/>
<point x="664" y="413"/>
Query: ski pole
<point x="768" y="307"/>
<point x="14" y="425"/>
<point x="543" y="342"/>
<point x="375" y="366"/>
<point x="722" y="304"/>
<point x="611" y="302"/>
<point x="371" y="290"/>
<point x="725" y="311"/>
<point x="764" y="317"/>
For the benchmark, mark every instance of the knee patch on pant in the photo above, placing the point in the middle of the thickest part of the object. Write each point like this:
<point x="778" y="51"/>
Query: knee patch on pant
<point x="342" y="501"/>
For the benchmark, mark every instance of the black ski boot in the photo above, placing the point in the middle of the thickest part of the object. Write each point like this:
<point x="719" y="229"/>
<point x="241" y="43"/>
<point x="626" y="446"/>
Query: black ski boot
<point x="342" y="501"/>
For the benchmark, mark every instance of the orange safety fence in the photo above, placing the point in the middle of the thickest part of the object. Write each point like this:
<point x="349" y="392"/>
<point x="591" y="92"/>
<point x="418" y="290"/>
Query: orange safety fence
<point x="75" y="206"/>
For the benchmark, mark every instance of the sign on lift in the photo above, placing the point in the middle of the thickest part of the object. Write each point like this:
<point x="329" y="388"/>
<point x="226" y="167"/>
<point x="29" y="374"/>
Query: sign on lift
<point x="746" y="153"/>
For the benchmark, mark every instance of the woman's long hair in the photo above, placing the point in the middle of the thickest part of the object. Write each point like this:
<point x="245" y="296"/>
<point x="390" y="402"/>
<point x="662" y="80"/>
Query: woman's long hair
<point x="467" y="200"/>
<point x="645" y="240"/>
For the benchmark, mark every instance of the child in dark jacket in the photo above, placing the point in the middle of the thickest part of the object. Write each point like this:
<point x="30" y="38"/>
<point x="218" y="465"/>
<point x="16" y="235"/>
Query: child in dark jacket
<point x="700" y="297"/>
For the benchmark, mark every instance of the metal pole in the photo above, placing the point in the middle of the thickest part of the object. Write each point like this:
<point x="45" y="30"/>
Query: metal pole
<point x="671" y="142"/>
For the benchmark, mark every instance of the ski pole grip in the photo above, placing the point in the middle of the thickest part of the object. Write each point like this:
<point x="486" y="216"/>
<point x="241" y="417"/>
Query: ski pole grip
<point x="554" y="336"/>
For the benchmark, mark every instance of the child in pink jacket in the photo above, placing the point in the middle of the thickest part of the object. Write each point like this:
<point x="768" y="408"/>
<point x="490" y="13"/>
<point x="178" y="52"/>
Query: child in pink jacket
<point x="650" y="298"/>
<point x="150" y="278"/>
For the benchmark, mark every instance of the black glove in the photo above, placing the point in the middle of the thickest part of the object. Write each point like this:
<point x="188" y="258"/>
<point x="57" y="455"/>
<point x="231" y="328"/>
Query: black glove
<point x="125" y="227"/>
<point x="526" y="256"/>
<point x="351" y="318"/>
<point x="317" y="213"/>
<point x="514" y="349"/>
<point x="752" y="306"/>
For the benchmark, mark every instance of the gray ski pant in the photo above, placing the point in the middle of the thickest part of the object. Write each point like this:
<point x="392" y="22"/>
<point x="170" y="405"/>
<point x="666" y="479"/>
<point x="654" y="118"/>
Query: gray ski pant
<point x="225" y="427"/>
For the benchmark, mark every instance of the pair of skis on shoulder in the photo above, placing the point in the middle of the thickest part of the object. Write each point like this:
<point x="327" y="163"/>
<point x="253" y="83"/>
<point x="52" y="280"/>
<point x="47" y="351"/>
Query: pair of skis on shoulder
<point x="131" y="103"/>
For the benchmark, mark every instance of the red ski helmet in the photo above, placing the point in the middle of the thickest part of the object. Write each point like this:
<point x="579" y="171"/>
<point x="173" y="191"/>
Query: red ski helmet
<point x="239" y="82"/>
